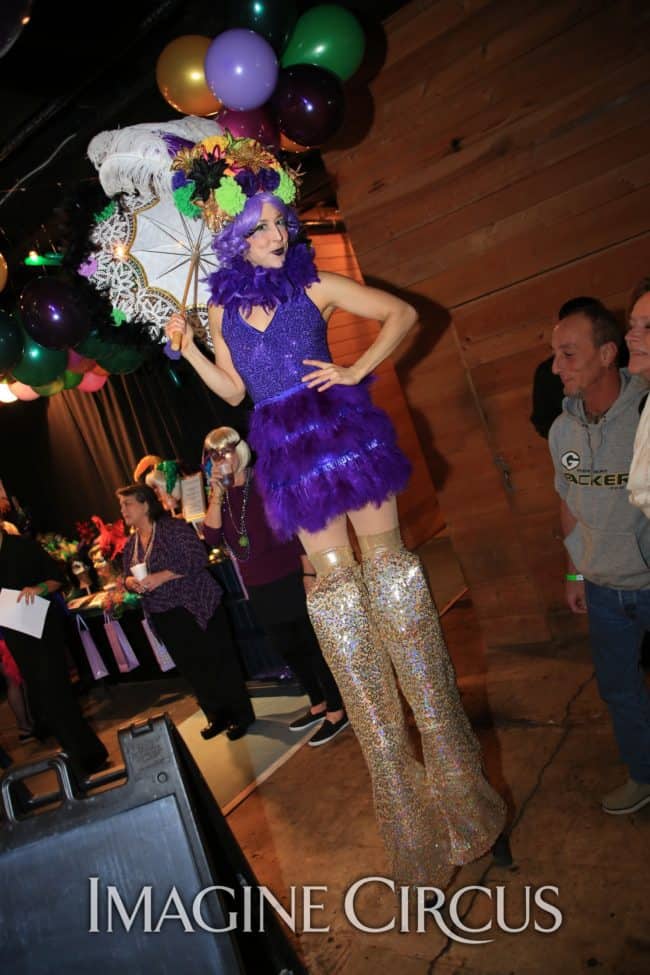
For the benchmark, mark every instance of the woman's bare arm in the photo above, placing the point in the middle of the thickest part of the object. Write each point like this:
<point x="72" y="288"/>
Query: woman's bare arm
<point x="220" y="376"/>
<point x="395" y="316"/>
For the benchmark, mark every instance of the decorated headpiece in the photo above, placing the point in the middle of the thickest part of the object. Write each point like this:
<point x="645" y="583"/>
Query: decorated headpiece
<point x="219" y="175"/>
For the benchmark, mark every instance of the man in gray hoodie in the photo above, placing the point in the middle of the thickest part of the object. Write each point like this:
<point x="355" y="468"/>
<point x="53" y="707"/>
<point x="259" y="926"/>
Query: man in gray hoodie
<point x="607" y="539"/>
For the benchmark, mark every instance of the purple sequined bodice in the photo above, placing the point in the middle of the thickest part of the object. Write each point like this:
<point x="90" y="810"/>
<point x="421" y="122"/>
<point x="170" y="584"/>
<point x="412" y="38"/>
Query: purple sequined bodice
<point x="271" y="362"/>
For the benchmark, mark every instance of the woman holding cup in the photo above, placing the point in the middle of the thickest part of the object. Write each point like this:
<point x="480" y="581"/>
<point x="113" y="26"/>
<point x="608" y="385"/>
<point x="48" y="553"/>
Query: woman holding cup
<point x="166" y="563"/>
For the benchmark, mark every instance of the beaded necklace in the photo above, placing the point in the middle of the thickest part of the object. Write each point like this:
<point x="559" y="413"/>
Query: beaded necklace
<point x="243" y="541"/>
<point x="140" y="544"/>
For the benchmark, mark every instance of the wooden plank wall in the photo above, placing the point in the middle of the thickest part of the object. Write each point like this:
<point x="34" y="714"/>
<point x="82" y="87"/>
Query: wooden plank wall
<point x="348" y="337"/>
<point x="507" y="169"/>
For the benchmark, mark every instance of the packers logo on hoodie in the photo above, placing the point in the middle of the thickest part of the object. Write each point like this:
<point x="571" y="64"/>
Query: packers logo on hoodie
<point x="570" y="459"/>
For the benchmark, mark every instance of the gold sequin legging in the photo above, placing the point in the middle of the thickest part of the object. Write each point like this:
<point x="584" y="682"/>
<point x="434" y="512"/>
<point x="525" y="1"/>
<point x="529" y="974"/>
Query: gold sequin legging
<point x="372" y="629"/>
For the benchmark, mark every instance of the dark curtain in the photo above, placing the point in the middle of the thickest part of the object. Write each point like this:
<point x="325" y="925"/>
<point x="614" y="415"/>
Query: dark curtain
<point x="64" y="457"/>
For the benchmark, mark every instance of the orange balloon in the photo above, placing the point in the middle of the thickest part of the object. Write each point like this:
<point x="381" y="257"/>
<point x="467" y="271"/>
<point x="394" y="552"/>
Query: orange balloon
<point x="4" y="271"/>
<point x="290" y="146"/>
<point x="98" y="371"/>
<point x="181" y="77"/>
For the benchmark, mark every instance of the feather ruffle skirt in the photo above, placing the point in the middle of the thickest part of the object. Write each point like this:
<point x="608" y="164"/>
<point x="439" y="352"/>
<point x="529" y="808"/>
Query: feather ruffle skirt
<point x="320" y="455"/>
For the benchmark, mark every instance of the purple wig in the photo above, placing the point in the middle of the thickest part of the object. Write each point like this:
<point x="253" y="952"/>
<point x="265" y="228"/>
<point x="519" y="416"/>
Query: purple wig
<point x="232" y="242"/>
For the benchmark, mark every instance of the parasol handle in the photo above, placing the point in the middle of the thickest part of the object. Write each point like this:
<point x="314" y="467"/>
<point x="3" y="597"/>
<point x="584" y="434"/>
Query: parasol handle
<point x="194" y="263"/>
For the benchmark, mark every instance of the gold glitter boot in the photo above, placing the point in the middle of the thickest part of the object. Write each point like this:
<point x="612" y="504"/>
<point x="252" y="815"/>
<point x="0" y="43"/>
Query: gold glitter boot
<point x="416" y="841"/>
<point x="407" y="625"/>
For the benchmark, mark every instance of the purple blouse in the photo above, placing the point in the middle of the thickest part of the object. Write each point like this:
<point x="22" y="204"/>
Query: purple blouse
<point x="268" y="559"/>
<point x="177" y="547"/>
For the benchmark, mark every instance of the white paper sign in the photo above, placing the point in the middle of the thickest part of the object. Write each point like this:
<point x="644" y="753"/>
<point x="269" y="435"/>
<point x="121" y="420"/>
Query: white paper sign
<point x="193" y="498"/>
<point x="25" y="617"/>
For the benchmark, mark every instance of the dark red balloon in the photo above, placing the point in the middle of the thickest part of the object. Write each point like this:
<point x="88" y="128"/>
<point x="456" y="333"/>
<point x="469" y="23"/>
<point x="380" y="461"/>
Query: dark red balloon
<point x="53" y="313"/>
<point x="308" y="102"/>
<point x="256" y="123"/>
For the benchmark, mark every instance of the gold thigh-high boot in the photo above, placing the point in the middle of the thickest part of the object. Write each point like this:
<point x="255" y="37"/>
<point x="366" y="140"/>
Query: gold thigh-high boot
<point x="407" y="624"/>
<point x="338" y="607"/>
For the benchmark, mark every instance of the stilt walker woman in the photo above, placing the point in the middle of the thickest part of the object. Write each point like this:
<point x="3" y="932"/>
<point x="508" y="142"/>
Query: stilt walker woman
<point x="326" y="454"/>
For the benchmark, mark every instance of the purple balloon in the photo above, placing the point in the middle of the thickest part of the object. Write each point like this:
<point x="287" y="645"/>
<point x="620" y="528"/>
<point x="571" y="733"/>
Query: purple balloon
<point x="53" y="313"/>
<point x="241" y="69"/>
<point x="257" y="123"/>
<point x="308" y="103"/>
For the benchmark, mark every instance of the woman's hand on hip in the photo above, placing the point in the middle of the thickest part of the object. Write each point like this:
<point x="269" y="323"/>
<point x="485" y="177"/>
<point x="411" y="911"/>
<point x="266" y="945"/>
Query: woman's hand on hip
<point x="178" y="325"/>
<point x="329" y="374"/>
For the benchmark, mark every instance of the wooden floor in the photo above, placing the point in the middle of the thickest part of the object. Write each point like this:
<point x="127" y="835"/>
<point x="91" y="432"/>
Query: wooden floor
<point x="548" y="748"/>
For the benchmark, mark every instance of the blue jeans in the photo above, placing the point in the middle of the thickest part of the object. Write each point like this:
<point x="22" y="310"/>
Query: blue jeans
<point x="618" y="619"/>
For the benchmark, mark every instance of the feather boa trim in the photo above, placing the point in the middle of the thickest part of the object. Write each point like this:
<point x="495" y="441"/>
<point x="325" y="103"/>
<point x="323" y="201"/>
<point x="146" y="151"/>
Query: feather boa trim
<point x="322" y="454"/>
<point x="245" y="286"/>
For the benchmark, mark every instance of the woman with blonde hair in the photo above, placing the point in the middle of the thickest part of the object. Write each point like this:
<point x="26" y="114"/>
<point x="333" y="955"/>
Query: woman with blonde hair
<point x="277" y="576"/>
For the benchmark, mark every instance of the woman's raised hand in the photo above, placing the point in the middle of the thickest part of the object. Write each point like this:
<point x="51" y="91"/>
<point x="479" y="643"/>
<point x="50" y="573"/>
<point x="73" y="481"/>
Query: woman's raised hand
<point x="179" y="326"/>
<point x="217" y="488"/>
<point x="329" y="374"/>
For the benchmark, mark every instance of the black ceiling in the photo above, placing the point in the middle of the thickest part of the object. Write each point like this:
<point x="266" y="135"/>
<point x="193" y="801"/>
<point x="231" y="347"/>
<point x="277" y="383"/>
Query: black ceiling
<point x="77" y="69"/>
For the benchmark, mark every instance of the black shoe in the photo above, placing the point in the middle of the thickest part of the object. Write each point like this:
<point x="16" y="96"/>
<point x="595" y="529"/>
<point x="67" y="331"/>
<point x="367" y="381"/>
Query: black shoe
<point x="237" y="729"/>
<point x="501" y="853"/>
<point x="213" y="728"/>
<point x="306" y="720"/>
<point x="327" y="731"/>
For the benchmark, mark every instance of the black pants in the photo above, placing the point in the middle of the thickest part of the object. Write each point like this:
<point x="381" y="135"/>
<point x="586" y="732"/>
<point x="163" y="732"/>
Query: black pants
<point x="44" y="668"/>
<point x="208" y="661"/>
<point x="281" y="611"/>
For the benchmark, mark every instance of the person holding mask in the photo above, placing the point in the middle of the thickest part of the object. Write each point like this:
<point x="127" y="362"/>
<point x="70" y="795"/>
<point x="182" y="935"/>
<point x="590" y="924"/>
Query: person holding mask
<point x="276" y="575"/>
<point x="325" y="456"/>
<point x="183" y="603"/>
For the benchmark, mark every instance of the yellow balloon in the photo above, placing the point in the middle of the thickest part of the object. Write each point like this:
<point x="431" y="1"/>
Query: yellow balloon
<point x="4" y="271"/>
<point x="181" y="77"/>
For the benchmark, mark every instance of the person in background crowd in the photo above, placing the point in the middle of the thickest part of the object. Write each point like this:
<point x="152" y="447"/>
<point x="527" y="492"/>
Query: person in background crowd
<point x="276" y="575"/>
<point x="637" y="339"/>
<point x="607" y="539"/>
<point x="16" y="696"/>
<point x="26" y="567"/>
<point x="183" y="604"/>
<point x="547" y="391"/>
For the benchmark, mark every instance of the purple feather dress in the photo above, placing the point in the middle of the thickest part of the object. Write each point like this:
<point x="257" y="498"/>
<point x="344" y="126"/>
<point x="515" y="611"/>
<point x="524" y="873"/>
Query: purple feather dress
<point x="318" y="454"/>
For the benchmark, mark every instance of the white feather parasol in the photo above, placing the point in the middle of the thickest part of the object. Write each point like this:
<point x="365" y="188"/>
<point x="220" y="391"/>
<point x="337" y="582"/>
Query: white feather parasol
<point x="150" y="258"/>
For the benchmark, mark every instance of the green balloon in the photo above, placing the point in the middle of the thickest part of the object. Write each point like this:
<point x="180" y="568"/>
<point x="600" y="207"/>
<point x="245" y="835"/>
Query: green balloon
<point x="113" y="356"/>
<point x="272" y="19"/>
<point x="11" y="341"/>
<point x="71" y="379"/>
<point x="120" y="359"/>
<point x="328" y="36"/>
<point x="92" y="346"/>
<point x="49" y="389"/>
<point x="39" y="366"/>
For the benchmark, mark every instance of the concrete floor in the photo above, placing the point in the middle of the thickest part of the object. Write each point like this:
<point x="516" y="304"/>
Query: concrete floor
<point x="548" y="748"/>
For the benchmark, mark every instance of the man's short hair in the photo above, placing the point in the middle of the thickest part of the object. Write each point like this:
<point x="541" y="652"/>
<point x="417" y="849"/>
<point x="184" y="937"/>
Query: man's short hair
<point x="574" y="305"/>
<point x="605" y="326"/>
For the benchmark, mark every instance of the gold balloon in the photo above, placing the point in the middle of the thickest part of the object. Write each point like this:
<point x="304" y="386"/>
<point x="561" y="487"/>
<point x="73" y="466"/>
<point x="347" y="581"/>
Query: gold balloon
<point x="181" y="77"/>
<point x="4" y="271"/>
